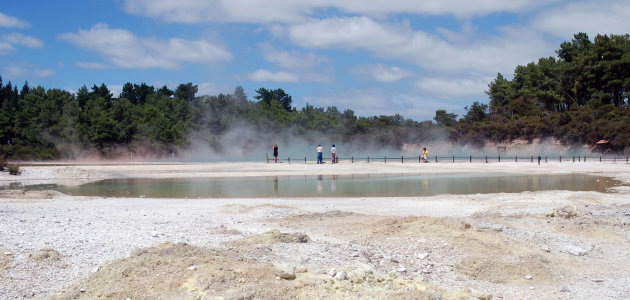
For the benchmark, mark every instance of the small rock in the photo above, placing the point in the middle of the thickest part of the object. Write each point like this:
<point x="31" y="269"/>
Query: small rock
<point x="320" y="272"/>
<point x="598" y="280"/>
<point x="401" y="270"/>
<point x="422" y="255"/>
<point x="285" y="271"/>
<point x="8" y="253"/>
<point x="341" y="275"/>
<point x="532" y="288"/>
<point x="332" y="272"/>
<point x="154" y="234"/>
<point x="567" y="212"/>
<point x="192" y="268"/>
<point x="479" y="293"/>
<point x="574" y="250"/>
<point x="528" y="277"/>
<point x="565" y="289"/>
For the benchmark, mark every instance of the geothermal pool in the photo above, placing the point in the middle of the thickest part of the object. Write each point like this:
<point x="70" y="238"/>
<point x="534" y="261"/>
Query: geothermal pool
<point x="334" y="185"/>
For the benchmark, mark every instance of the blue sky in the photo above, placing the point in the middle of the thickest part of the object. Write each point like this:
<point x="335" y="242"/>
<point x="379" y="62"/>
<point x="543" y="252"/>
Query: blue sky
<point x="410" y="57"/>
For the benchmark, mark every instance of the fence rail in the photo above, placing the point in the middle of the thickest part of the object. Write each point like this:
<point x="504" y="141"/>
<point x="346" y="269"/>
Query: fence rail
<point x="470" y="158"/>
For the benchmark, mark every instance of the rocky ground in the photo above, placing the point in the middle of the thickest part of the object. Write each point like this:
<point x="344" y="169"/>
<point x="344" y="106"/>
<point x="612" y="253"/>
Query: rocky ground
<point x="531" y="245"/>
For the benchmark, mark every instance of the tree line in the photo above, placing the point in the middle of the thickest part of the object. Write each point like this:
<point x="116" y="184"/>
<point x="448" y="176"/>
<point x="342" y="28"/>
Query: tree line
<point x="579" y="97"/>
<point x="36" y="123"/>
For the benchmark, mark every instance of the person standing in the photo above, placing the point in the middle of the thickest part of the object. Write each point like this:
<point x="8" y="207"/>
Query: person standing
<point x="333" y="153"/>
<point x="319" y="154"/>
<point x="275" y="153"/>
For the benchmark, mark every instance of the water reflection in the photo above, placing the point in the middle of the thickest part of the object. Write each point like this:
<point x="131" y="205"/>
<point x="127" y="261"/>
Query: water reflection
<point x="340" y="185"/>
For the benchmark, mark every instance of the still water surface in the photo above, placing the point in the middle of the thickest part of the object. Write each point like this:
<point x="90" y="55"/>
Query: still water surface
<point x="335" y="185"/>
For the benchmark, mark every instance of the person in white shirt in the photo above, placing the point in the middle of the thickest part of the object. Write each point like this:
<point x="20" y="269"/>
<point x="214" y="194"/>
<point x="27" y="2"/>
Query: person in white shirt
<point x="319" y="154"/>
<point x="333" y="152"/>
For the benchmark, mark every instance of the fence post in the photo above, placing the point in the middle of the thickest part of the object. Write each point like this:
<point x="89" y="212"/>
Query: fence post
<point x="419" y="159"/>
<point x="436" y="158"/>
<point x="499" y="158"/>
<point x="471" y="158"/>
<point x="600" y="158"/>
<point x="402" y="159"/>
<point x="289" y="159"/>
<point x="486" y="158"/>
<point x="385" y="159"/>
<point x="352" y="159"/>
<point x="304" y="159"/>
<point x="614" y="159"/>
<point x="515" y="158"/>
<point x="574" y="158"/>
<point x="545" y="158"/>
<point x="453" y="158"/>
<point x="532" y="159"/>
<point x="267" y="154"/>
<point x="368" y="159"/>
<point x="584" y="158"/>
<point x="560" y="158"/>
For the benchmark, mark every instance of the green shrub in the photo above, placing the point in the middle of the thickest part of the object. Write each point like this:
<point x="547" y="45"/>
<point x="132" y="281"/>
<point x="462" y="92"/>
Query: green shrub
<point x="14" y="170"/>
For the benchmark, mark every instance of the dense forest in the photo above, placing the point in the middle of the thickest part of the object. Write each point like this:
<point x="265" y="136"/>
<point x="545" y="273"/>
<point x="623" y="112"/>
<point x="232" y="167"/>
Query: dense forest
<point x="579" y="97"/>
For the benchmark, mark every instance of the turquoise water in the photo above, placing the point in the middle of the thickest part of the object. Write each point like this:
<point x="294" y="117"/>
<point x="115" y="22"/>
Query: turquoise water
<point x="334" y="186"/>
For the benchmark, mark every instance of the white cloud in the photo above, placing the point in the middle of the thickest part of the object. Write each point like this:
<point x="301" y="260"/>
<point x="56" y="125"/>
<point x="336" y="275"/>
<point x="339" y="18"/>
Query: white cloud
<point x="24" y="40"/>
<point x="291" y="60"/>
<point x="592" y="17"/>
<point x="515" y="45"/>
<point x="382" y="73"/>
<point x="26" y="71"/>
<point x="449" y="87"/>
<point x="349" y="33"/>
<point x="12" y="22"/>
<point x="290" y="11"/>
<point x="268" y="76"/>
<point x="92" y="65"/>
<point x="376" y="102"/>
<point x="5" y="48"/>
<point x="123" y="49"/>
<point x="292" y="63"/>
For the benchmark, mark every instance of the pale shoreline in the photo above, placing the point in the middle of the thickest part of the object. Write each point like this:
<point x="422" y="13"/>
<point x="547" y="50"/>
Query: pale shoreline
<point x="92" y="231"/>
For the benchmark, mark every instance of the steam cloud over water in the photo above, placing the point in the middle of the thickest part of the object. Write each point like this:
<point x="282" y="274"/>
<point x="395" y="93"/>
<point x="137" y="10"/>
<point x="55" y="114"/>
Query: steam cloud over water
<point x="243" y="141"/>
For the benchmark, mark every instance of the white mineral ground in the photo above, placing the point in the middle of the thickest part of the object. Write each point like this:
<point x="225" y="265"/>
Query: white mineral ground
<point x="533" y="245"/>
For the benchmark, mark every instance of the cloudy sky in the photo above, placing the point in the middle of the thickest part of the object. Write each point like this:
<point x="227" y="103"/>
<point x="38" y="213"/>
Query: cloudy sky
<point x="375" y="57"/>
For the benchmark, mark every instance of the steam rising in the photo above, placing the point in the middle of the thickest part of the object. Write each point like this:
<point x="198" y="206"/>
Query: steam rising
<point x="243" y="141"/>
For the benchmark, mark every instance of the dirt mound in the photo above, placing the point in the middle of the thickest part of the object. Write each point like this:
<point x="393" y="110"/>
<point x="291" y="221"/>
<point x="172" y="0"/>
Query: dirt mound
<point x="272" y="237"/>
<point x="45" y="255"/>
<point x="181" y="271"/>
<point x="518" y="270"/>
<point x="6" y="260"/>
